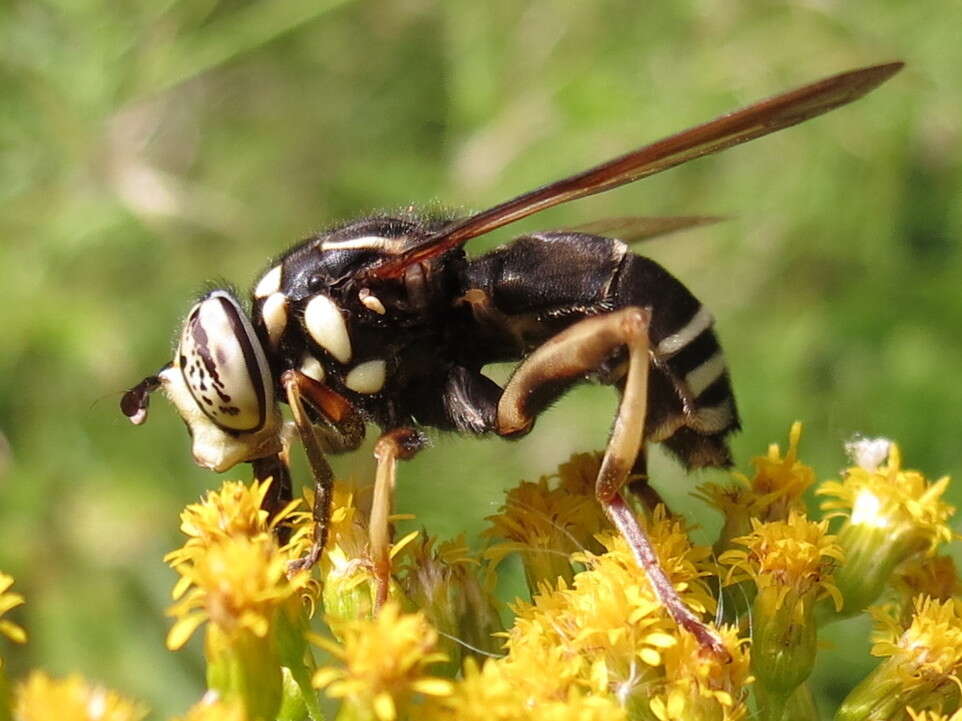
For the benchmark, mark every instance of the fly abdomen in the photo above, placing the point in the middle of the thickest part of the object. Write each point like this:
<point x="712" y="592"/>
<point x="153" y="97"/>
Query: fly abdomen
<point x="691" y="406"/>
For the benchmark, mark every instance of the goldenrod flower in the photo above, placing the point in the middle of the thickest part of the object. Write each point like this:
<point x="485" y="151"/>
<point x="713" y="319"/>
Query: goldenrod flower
<point x="794" y="558"/>
<point x="922" y="667"/>
<point x="579" y="474"/>
<point x="791" y="563"/>
<point x="384" y="665"/>
<point x="346" y="570"/>
<point x="933" y="715"/>
<point x="608" y="630"/>
<point x="890" y="515"/>
<point x="550" y="519"/>
<point x="238" y="584"/>
<point x="933" y="576"/>
<point x="233" y="510"/>
<point x="770" y="495"/>
<point x="932" y="643"/>
<point x="700" y="687"/>
<point x="503" y="691"/>
<point x="442" y="580"/>
<point x="212" y="708"/>
<point x="8" y="601"/>
<point x="241" y="586"/>
<point x="42" y="698"/>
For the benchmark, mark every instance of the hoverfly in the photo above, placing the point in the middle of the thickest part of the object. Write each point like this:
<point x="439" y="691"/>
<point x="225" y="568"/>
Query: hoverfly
<point x="385" y="320"/>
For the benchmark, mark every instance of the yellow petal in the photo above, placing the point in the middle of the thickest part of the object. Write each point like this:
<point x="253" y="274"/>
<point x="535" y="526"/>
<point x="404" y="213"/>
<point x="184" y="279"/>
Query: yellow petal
<point x="183" y="630"/>
<point x="384" y="707"/>
<point x="650" y="656"/>
<point x="676" y="704"/>
<point x="324" y="676"/>
<point x="396" y="548"/>
<point x="433" y="686"/>
<point x="183" y="583"/>
<point x="13" y="631"/>
<point x="661" y="640"/>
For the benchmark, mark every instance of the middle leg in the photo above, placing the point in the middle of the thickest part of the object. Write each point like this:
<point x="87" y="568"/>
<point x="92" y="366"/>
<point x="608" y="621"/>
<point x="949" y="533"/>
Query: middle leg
<point x="398" y="444"/>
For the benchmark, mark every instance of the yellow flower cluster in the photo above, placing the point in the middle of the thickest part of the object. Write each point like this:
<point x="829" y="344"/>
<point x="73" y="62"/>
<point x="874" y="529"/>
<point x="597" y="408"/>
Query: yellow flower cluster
<point x="795" y="558"/>
<point x="608" y="634"/>
<point x="769" y="495"/>
<point x="546" y="521"/>
<point x="890" y="516"/>
<point x="903" y="503"/>
<point x="235" y="576"/>
<point x="385" y="663"/>
<point x="42" y="698"/>
<point x="509" y="691"/>
<point x="593" y="641"/>
<point x="929" y="649"/>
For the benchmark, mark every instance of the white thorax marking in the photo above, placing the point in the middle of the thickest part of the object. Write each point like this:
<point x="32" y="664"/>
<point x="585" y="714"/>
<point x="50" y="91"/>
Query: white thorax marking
<point x="325" y="324"/>
<point x="366" y="242"/>
<point x="312" y="368"/>
<point x="367" y="377"/>
<point x="274" y="313"/>
<point x="269" y="284"/>
<point x="371" y="301"/>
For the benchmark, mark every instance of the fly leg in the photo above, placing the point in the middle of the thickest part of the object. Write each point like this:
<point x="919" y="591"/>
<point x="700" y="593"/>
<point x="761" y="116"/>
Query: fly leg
<point x="397" y="444"/>
<point x="569" y="356"/>
<point x="341" y="423"/>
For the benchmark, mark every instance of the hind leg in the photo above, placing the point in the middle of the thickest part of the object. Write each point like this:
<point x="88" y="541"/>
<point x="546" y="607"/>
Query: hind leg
<point x="575" y="352"/>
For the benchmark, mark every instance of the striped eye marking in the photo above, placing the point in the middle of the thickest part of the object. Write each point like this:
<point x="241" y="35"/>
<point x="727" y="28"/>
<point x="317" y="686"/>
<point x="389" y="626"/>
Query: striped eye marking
<point x="223" y="364"/>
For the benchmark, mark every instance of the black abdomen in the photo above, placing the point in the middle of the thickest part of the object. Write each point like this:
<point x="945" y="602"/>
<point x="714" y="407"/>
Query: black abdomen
<point x="540" y="284"/>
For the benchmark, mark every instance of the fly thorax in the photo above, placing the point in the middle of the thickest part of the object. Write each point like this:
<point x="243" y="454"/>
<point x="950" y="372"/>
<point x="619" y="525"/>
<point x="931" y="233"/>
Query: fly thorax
<point x="327" y="325"/>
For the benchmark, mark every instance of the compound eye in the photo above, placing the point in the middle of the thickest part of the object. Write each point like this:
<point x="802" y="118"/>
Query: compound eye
<point x="223" y="364"/>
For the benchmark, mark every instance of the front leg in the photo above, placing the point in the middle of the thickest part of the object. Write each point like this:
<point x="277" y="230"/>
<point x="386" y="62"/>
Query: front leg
<point x="561" y="361"/>
<point x="340" y="417"/>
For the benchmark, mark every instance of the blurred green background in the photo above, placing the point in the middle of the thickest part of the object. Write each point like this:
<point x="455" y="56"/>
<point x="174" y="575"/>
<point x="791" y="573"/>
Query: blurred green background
<point x="147" y="148"/>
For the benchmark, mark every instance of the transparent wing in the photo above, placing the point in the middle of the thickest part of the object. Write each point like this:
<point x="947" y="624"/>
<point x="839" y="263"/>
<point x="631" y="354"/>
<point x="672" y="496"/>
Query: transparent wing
<point x="740" y="126"/>
<point x="634" y="229"/>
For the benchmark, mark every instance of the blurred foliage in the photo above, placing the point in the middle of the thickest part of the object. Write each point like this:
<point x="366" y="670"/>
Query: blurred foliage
<point x="149" y="148"/>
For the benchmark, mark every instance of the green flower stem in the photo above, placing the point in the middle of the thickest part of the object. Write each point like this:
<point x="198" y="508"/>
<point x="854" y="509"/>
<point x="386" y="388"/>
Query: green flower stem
<point x="247" y="668"/>
<point x="771" y="704"/>
<point x="301" y="677"/>
<point x="296" y="657"/>
<point x="293" y="706"/>
<point x="784" y="644"/>
<point x="801" y="706"/>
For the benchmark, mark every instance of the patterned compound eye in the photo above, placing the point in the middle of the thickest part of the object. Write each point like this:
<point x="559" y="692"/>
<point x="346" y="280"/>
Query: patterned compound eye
<point x="223" y="364"/>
